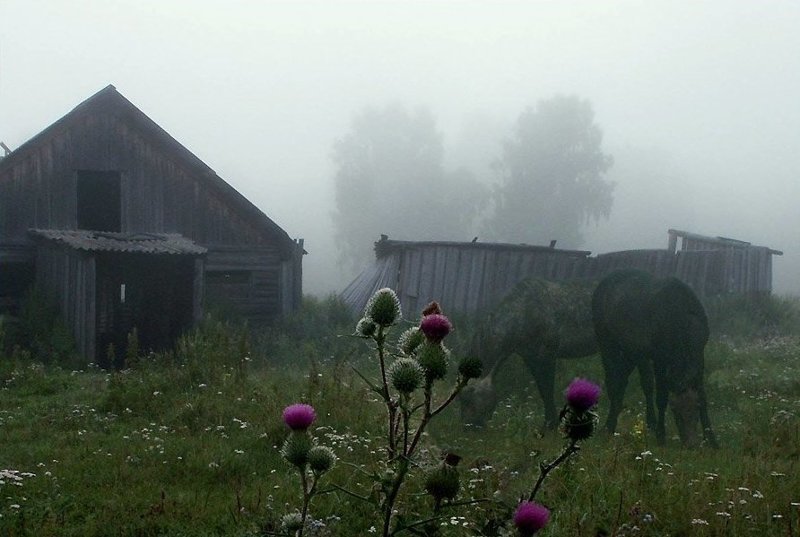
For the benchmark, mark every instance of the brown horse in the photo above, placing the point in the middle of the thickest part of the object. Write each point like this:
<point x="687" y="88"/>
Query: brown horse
<point x="542" y="322"/>
<point x="641" y="321"/>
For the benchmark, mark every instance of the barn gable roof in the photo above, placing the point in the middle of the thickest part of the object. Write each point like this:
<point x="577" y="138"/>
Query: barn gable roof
<point x="111" y="101"/>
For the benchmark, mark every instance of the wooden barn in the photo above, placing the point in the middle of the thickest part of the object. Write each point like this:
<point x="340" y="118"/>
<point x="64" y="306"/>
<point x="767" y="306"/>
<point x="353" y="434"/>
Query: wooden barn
<point x="470" y="276"/>
<point x="126" y="228"/>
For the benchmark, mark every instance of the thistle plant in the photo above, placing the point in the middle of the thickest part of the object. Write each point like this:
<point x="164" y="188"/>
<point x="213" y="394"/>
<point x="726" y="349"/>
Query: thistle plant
<point x="406" y="386"/>
<point x="310" y="459"/>
<point x="578" y="421"/>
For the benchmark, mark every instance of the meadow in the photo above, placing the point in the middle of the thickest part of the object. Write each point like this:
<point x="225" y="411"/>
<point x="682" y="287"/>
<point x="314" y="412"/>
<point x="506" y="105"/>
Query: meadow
<point x="187" y="443"/>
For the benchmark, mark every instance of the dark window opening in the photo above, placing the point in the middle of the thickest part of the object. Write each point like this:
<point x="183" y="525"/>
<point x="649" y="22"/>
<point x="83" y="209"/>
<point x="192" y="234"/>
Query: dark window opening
<point x="99" y="201"/>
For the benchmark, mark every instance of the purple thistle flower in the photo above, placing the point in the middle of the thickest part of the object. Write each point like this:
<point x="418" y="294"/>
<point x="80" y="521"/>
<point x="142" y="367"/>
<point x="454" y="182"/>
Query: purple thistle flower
<point x="435" y="327"/>
<point x="530" y="517"/>
<point x="582" y="394"/>
<point x="299" y="416"/>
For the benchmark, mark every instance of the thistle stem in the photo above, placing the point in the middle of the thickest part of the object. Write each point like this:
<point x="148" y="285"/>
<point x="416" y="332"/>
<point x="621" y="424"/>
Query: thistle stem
<point x="391" y="406"/>
<point x="456" y="389"/>
<point x="426" y="416"/>
<point x="306" y="500"/>
<point x="545" y="469"/>
<point x="391" y="497"/>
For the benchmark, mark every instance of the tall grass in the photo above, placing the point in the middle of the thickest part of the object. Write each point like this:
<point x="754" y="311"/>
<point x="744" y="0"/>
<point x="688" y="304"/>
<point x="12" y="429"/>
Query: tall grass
<point x="187" y="442"/>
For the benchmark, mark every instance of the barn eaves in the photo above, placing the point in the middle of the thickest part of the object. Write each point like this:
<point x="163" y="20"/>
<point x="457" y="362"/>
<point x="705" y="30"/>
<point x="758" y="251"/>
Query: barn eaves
<point x="146" y="243"/>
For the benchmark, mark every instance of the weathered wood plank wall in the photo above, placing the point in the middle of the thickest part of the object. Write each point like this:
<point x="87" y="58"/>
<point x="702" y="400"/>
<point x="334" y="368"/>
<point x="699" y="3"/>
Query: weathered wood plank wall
<point x="467" y="277"/>
<point x="69" y="277"/>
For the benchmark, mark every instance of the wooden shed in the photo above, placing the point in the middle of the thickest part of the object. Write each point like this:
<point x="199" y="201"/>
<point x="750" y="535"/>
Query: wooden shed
<point x="469" y="276"/>
<point x="463" y="276"/>
<point x="734" y="267"/>
<point x="125" y="227"/>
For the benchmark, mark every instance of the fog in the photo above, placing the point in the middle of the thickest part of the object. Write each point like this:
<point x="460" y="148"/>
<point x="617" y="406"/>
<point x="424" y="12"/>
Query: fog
<point x="698" y="101"/>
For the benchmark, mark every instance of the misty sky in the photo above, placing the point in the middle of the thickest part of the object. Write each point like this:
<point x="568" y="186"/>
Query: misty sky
<point x="699" y="101"/>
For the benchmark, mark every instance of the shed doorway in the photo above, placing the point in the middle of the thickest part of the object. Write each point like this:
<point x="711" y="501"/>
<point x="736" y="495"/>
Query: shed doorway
<point x="150" y="293"/>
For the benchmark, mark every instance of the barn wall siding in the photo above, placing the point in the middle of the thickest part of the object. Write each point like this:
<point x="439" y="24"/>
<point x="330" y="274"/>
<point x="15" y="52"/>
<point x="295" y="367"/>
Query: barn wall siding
<point x="69" y="278"/>
<point x="272" y="290"/>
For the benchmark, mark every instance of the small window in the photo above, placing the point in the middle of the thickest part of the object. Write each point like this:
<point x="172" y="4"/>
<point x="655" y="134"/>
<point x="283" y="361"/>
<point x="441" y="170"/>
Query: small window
<point x="99" y="201"/>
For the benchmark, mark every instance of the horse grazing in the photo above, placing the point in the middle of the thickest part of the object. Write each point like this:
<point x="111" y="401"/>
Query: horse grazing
<point x="643" y="322"/>
<point x="540" y="321"/>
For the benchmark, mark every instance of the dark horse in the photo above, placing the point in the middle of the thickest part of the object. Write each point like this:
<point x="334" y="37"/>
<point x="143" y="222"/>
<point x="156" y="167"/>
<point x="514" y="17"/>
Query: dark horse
<point x="541" y="322"/>
<point x="643" y="322"/>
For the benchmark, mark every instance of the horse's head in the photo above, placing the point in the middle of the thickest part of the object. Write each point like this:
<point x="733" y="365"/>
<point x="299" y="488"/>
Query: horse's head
<point x="686" y="411"/>
<point x="478" y="401"/>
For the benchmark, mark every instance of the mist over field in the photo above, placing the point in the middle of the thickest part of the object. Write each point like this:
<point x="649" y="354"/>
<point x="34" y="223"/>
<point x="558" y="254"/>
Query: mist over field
<point x="697" y="102"/>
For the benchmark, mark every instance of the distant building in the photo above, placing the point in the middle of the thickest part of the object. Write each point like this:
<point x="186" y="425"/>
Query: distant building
<point x="466" y="277"/>
<point x="127" y="228"/>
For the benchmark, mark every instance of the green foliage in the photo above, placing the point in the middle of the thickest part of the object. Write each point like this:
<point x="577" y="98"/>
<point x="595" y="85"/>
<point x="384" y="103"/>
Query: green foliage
<point x="42" y="332"/>
<point x="184" y="452"/>
<point x="746" y="317"/>
<point x="215" y="350"/>
<point x="310" y="337"/>
<point x="553" y="171"/>
<point x="3" y="334"/>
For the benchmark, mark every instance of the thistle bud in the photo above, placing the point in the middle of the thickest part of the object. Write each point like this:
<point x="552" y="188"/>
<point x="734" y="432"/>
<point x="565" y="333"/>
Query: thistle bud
<point x="291" y="523"/>
<point x="442" y="482"/>
<point x="410" y="340"/>
<point x="366" y="327"/>
<point x="321" y="459"/>
<point x="295" y="449"/>
<point x="406" y="375"/>
<point x="384" y="307"/>
<point x="433" y="359"/>
<point x="470" y="367"/>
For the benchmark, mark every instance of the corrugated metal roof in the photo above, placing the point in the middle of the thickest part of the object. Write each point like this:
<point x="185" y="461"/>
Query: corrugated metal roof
<point x="106" y="241"/>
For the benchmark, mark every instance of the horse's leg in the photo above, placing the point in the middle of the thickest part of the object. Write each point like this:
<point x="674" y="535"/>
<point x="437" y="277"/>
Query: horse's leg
<point x="646" y="380"/>
<point x="662" y="397"/>
<point x="705" y="421"/>
<point x="543" y="370"/>
<point x="617" y="370"/>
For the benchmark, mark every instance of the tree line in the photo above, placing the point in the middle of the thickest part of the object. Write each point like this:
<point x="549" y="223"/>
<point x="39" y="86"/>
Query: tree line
<point x="549" y="180"/>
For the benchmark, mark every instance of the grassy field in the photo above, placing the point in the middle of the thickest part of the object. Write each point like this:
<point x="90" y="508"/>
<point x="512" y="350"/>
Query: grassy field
<point x="188" y="443"/>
